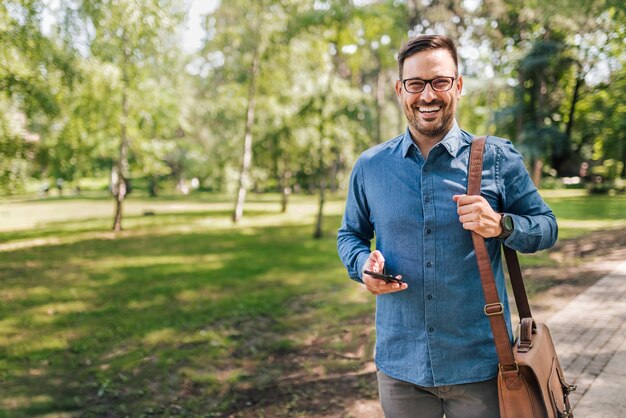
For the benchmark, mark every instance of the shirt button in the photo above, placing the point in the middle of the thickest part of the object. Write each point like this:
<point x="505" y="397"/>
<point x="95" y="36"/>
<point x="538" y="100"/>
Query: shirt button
<point x="428" y="231"/>
<point x="430" y="297"/>
<point x="427" y="199"/>
<point x="425" y="169"/>
<point x="429" y="264"/>
<point x="431" y="329"/>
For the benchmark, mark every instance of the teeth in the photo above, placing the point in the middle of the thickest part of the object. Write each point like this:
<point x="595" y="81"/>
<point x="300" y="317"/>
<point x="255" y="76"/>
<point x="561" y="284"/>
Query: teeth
<point x="429" y="108"/>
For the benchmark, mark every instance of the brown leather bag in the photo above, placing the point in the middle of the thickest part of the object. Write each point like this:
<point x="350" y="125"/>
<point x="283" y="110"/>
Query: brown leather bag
<point x="530" y="378"/>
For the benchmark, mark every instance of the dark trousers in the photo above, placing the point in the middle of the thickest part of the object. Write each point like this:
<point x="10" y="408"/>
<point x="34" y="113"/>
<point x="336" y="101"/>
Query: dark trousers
<point x="405" y="400"/>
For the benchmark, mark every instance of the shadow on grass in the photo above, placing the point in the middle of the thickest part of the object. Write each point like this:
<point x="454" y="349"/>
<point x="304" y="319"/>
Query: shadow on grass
<point x="168" y="323"/>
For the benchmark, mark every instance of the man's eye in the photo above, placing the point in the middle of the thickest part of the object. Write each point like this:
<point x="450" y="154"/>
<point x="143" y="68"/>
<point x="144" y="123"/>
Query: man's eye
<point x="441" y="83"/>
<point x="416" y="85"/>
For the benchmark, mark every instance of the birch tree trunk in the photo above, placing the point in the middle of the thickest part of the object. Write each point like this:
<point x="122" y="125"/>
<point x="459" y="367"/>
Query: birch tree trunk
<point x="285" y="187"/>
<point x="120" y="190"/>
<point x="244" y="175"/>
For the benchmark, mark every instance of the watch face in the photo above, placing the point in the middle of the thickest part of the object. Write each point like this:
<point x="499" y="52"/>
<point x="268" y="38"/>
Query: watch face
<point x="507" y="222"/>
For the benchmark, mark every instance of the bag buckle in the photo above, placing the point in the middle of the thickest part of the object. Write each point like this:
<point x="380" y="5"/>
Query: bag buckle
<point x="570" y="388"/>
<point x="515" y="369"/>
<point x="489" y="309"/>
<point x="524" y="346"/>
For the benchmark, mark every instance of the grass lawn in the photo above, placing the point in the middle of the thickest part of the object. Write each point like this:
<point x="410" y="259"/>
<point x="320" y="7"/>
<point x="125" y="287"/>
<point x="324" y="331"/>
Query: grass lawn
<point x="182" y="312"/>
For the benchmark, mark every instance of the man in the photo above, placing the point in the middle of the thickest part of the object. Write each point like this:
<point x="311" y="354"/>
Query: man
<point x="435" y="353"/>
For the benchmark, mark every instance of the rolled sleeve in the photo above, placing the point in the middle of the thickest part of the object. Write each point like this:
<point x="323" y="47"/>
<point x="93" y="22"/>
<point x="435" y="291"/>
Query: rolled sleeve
<point x="535" y="224"/>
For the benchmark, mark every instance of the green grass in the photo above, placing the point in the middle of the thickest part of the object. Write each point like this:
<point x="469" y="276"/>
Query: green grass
<point x="167" y="313"/>
<point x="578" y="213"/>
<point x="179" y="312"/>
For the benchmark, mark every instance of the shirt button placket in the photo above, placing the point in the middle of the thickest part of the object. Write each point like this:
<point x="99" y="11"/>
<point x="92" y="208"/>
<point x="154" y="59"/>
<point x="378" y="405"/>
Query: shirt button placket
<point x="430" y="313"/>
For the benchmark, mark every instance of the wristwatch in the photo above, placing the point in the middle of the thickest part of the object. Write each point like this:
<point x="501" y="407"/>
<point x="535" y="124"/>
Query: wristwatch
<point x="506" y="223"/>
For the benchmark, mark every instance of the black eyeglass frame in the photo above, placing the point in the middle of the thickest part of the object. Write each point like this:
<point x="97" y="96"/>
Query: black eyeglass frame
<point x="430" y="81"/>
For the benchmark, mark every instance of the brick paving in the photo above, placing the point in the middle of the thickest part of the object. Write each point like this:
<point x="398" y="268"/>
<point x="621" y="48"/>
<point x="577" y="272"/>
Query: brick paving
<point x="590" y="338"/>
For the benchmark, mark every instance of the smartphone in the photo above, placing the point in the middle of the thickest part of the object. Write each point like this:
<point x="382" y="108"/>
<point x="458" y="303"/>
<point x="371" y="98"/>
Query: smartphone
<point x="388" y="278"/>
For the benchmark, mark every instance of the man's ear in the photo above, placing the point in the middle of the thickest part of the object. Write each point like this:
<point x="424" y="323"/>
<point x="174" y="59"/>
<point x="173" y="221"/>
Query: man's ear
<point x="398" y="88"/>
<point x="459" y="85"/>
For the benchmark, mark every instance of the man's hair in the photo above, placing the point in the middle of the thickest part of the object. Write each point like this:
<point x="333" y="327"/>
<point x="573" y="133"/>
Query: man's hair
<point x="426" y="43"/>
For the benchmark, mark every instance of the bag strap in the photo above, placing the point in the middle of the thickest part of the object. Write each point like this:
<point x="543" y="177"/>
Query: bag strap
<point x="517" y="283"/>
<point x="510" y="255"/>
<point x="493" y="307"/>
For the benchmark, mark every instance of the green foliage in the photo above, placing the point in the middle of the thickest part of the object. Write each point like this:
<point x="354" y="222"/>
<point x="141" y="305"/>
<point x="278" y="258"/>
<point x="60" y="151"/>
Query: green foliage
<point x="549" y="76"/>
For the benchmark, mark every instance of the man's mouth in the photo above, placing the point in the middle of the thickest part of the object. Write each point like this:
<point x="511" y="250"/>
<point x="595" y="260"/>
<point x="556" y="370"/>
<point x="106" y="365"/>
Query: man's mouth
<point x="428" y="109"/>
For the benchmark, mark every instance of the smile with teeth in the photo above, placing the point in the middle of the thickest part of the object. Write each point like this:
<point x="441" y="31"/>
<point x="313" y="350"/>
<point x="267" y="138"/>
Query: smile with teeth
<point x="428" y="109"/>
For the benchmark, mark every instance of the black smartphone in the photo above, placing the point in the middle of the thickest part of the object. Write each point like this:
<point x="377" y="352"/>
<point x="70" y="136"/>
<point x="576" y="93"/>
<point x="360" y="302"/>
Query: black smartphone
<point x="388" y="278"/>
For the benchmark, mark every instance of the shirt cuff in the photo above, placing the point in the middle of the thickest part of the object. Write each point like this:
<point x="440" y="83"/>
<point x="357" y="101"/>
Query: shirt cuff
<point x="518" y="238"/>
<point x="360" y="262"/>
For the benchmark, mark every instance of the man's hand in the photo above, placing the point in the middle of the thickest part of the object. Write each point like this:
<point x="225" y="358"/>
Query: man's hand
<point x="376" y="262"/>
<point x="476" y="215"/>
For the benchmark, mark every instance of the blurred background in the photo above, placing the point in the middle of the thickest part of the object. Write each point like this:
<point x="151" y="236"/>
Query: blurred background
<point x="173" y="173"/>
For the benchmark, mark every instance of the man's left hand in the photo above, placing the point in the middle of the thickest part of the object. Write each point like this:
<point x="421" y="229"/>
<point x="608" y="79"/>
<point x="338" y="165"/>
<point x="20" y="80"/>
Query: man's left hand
<point x="476" y="215"/>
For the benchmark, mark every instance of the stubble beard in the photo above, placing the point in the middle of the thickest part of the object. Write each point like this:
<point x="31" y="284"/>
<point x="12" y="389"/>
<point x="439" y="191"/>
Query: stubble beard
<point x="436" y="131"/>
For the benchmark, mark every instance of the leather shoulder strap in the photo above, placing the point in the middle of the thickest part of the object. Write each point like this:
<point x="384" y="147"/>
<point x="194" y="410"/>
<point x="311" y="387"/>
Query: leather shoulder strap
<point x="517" y="283"/>
<point x="493" y="307"/>
<point x="510" y="255"/>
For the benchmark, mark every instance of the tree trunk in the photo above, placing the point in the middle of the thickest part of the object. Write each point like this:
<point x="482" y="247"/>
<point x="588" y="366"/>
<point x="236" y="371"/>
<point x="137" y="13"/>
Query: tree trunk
<point x="322" y="173"/>
<point x="122" y="166"/>
<point x="380" y="100"/>
<point x="322" y="176"/>
<point x="519" y="117"/>
<point x="570" y="121"/>
<point x="320" y="211"/>
<point x="285" y="186"/>
<point x="623" y="173"/>
<point x="537" y="167"/>
<point x="559" y="161"/>
<point x="244" y="175"/>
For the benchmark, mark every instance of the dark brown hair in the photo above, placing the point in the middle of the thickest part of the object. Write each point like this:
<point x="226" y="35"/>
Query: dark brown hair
<point x="426" y="43"/>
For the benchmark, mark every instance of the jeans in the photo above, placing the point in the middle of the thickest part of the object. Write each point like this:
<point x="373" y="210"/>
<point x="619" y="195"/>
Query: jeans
<point x="405" y="400"/>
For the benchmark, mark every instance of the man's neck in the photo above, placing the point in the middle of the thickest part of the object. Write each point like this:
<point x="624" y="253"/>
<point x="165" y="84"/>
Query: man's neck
<point x="425" y="143"/>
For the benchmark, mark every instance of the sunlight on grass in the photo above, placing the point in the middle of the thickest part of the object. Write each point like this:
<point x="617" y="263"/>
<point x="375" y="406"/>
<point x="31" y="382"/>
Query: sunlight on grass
<point x="15" y="402"/>
<point x="42" y="343"/>
<point x="166" y="335"/>
<point x="214" y="260"/>
<point x="185" y="305"/>
<point x="145" y="304"/>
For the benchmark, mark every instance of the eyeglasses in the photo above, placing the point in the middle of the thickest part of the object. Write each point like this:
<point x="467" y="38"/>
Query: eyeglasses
<point x="417" y="85"/>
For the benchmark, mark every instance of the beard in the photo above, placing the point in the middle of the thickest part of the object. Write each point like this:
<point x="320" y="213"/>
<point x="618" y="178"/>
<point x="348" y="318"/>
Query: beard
<point x="430" y="131"/>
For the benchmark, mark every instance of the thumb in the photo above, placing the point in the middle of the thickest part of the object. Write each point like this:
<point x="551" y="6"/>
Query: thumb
<point x="377" y="256"/>
<point x="377" y="260"/>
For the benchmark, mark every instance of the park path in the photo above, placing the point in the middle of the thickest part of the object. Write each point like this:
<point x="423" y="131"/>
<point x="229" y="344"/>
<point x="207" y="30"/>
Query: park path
<point x="590" y="338"/>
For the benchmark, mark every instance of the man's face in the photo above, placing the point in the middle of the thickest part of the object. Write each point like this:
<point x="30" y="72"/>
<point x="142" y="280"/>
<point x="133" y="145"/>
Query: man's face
<point x="430" y="113"/>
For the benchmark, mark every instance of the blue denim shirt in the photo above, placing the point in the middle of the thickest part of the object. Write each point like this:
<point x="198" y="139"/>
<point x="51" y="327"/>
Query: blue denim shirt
<point x="435" y="332"/>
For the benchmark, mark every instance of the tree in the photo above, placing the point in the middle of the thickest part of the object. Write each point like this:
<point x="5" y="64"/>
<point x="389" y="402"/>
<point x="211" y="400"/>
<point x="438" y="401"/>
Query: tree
<point x="133" y="37"/>
<point x="35" y="74"/>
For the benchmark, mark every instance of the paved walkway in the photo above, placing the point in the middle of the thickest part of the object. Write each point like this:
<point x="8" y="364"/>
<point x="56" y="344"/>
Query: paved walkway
<point x="590" y="338"/>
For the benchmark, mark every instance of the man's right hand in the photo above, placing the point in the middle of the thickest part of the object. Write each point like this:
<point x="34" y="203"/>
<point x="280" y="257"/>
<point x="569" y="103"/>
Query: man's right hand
<point x="376" y="262"/>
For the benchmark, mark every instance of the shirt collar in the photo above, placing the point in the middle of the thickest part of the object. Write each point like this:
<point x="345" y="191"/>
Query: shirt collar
<point x="451" y="142"/>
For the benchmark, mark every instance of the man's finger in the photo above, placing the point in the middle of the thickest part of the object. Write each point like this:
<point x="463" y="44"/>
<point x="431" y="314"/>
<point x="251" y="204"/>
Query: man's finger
<point x="464" y="199"/>
<point x="465" y="209"/>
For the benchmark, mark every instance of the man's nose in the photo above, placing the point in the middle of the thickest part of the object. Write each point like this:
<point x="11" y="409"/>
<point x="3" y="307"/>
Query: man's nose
<point x="428" y="93"/>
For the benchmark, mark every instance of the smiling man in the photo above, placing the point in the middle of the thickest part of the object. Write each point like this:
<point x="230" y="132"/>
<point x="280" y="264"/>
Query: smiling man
<point x="435" y="353"/>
